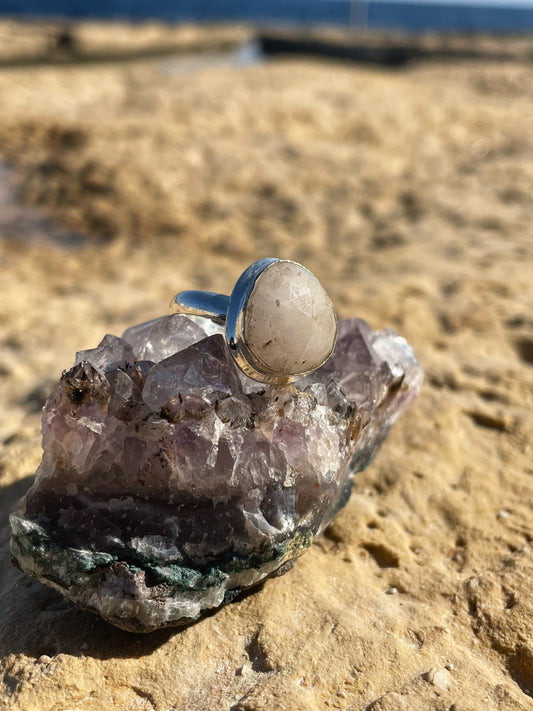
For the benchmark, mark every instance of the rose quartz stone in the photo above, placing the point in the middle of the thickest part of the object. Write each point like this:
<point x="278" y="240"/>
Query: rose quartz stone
<point x="290" y="325"/>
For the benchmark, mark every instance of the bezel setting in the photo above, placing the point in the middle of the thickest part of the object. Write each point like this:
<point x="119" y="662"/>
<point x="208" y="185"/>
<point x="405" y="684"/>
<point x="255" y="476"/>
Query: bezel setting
<point x="231" y="311"/>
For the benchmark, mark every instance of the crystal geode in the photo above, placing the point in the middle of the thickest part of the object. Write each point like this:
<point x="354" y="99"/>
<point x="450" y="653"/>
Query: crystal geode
<point x="170" y="482"/>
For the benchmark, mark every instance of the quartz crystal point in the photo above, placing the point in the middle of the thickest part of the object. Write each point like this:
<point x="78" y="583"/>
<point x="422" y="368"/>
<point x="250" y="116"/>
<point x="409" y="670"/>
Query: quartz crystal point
<point x="170" y="482"/>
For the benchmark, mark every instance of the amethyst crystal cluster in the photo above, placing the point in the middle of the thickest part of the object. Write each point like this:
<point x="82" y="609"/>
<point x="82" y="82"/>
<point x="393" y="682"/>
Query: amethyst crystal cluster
<point x="170" y="482"/>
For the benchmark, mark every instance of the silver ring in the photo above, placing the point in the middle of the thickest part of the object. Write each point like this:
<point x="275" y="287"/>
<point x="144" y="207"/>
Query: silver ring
<point x="279" y="322"/>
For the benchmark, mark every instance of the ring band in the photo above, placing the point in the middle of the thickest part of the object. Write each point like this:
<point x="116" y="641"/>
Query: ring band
<point x="279" y="322"/>
<point x="202" y="303"/>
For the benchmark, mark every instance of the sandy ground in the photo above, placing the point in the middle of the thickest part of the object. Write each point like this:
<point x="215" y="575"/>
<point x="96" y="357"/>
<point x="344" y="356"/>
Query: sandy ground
<point x="409" y="193"/>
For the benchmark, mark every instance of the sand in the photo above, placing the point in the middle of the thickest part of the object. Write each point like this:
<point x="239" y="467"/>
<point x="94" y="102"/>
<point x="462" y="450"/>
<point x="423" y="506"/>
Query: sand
<point x="408" y="192"/>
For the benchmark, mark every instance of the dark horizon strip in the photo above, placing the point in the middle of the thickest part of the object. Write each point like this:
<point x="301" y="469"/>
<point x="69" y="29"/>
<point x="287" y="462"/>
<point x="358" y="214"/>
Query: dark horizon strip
<point x="379" y="14"/>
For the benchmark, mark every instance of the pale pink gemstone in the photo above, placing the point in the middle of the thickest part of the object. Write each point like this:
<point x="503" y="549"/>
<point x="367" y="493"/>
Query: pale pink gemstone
<point x="290" y="325"/>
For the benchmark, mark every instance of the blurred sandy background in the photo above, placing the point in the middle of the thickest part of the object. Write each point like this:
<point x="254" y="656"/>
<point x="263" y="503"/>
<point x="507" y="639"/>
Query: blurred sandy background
<point x="409" y="193"/>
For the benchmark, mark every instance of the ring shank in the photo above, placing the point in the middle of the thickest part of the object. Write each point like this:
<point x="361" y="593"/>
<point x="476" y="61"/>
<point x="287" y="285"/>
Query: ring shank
<point x="201" y="303"/>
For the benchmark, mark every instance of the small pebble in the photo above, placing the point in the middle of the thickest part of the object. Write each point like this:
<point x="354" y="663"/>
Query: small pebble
<point x="438" y="677"/>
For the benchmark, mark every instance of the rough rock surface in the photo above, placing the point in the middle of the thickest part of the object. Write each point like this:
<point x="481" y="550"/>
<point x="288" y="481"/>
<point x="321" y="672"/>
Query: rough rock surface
<point x="408" y="193"/>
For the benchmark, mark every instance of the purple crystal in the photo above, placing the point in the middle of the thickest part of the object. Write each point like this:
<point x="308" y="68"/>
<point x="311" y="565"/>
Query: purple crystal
<point x="111" y="352"/>
<point x="162" y="337"/>
<point x="206" y="369"/>
<point x="170" y="481"/>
